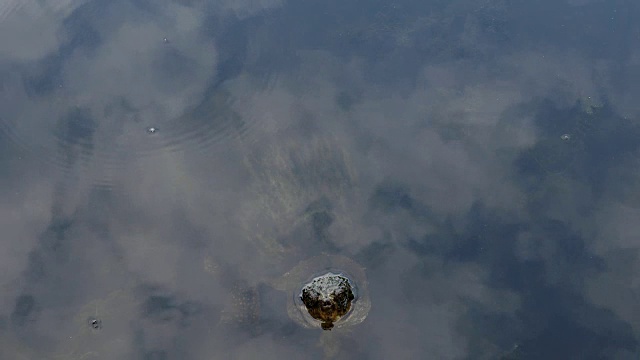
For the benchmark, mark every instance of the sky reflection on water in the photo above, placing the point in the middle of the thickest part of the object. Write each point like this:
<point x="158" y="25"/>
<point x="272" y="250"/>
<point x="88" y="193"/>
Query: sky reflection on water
<point x="478" y="158"/>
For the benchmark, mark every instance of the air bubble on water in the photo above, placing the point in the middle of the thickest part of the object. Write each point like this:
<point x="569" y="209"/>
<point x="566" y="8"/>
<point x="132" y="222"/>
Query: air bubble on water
<point x="565" y="137"/>
<point x="95" y="323"/>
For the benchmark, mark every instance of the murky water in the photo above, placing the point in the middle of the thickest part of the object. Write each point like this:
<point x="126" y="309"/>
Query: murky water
<point x="225" y="179"/>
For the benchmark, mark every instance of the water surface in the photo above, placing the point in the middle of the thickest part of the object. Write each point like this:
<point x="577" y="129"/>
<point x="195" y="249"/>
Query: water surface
<point x="164" y="162"/>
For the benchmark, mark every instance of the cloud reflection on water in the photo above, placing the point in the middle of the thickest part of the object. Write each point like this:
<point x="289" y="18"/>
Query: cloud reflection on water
<point x="421" y="140"/>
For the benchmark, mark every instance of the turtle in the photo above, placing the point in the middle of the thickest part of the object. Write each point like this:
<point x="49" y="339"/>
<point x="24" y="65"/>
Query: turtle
<point x="327" y="298"/>
<point x="326" y="291"/>
<point x="296" y="208"/>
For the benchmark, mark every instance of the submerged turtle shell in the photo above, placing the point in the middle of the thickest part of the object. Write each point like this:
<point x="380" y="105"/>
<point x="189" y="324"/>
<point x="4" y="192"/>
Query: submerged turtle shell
<point x="287" y="179"/>
<point x="326" y="291"/>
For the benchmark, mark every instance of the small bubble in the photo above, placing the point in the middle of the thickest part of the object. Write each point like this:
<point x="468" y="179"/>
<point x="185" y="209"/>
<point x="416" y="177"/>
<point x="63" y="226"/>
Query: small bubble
<point x="565" y="137"/>
<point x="152" y="130"/>
<point x="165" y="40"/>
<point x="96" y="324"/>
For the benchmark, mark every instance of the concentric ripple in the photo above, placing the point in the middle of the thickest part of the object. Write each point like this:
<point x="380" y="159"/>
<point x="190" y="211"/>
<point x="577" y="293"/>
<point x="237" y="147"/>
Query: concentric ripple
<point x="81" y="141"/>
